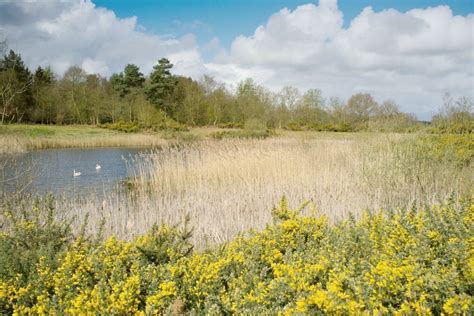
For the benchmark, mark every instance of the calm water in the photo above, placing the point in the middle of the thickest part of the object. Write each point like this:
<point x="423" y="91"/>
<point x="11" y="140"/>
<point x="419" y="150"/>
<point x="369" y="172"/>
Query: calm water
<point x="51" y="170"/>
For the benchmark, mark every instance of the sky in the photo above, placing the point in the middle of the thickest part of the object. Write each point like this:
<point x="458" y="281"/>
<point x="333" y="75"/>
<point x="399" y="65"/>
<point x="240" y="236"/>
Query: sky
<point x="412" y="52"/>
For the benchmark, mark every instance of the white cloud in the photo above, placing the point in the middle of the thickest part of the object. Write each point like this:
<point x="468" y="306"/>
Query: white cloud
<point x="79" y="33"/>
<point x="413" y="57"/>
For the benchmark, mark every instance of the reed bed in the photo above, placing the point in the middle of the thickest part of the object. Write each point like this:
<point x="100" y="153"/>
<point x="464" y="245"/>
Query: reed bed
<point x="230" y="186"/>
<point x="21" y="144"/>
<point x="11" y="145"/>
<point x="19" y="138"/>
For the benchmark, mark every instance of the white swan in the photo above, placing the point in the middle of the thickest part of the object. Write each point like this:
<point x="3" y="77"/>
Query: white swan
<point x="75" y="174"/>
<point x="97" y="167"/>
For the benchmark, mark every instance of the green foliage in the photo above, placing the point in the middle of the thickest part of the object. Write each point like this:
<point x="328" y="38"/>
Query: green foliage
<point x="81" y="98"/>
<point x="446" y="127"/>
<point x="243" y="134"/>
<point x="15" y="88"/>
<point x="399" y="262"/>
<point x="293" y="126"/>
<point x="43" y="76"/>
<point x="127" y="127"/>
<point x="456" y="117"/>
<point x="15" y="62"/>
<point x="230" y="125"/>
<point x="129" y="81"/>
<point x="117" y="82"/>
<point x="161" y="85"/>
<point x="30" y="233"/>
<point x="132" y="76"/>
<point x="341" y="127"/>
<point x="163" y="238"/>
<point x="450" y="148"/>
<point x="133" y="127"/>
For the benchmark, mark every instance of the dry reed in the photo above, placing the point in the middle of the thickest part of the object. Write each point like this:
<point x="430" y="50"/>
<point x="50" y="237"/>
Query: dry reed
<point x="11" y="145"/>
<point x="19" y="144"/>
<point x="229" y="186"/>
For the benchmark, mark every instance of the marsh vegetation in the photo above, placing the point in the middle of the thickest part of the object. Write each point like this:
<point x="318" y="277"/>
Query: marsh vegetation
<point x="209" y="219"/>
<point x="229" y="186"/>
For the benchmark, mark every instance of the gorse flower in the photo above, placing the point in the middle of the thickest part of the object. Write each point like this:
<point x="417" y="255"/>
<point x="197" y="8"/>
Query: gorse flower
<point x="402" y="263"/>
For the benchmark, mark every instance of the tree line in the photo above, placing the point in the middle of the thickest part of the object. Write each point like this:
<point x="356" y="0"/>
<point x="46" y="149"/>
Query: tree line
<point x="129" y="96"/>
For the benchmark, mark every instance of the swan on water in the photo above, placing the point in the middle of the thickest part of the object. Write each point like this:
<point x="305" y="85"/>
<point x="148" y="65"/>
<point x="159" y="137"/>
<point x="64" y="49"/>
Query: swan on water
<point x="97" y="166"/>
<point x="75" y="174"/>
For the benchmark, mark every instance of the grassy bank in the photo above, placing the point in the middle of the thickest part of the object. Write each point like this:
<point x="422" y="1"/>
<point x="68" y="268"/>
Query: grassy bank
<point x="408" y="262"/>
<point x="18" y="138"/>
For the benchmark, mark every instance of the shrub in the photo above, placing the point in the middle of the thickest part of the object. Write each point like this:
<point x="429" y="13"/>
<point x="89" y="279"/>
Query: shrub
<point x="449" y="148"/>
<point x="341" y="127"/>
<point x="243" y="134"/>
<point x="129" y="127"/>
<point x="292" y="126"/>
<point x="28" y="234"/>
<point x="398" y="262"/>
<point x="133" y="127"/>
<point x="230" y="125"/>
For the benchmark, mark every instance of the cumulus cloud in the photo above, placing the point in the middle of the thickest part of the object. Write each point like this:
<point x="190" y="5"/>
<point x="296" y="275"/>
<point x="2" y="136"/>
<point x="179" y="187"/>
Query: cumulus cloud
<point x="62" y="34"/>
<point x="412" y="57"/>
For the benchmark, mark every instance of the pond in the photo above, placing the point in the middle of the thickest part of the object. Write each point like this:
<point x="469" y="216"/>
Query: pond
<point x="44" y="171"/>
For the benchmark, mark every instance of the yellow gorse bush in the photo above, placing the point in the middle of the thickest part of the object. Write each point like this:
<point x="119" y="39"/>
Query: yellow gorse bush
<point x="402" y="262"/>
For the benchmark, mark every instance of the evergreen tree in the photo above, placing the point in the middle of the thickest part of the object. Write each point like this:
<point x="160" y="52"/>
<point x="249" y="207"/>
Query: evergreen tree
<point x="132" y="77"/>
<point x="118" y="83"/>
<point x="161" y="86"/>
<point x="43" y="80"/>
<point x="43" y="76"/>
<point x="14" y="62"/>
<point x="16" y="77"/>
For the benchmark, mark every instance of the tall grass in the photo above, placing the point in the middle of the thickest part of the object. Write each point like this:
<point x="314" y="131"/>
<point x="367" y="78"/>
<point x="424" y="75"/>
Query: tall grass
<point x="10" y="145"/>
<point x="229" y="186"/>
<point x="17" y="138"/>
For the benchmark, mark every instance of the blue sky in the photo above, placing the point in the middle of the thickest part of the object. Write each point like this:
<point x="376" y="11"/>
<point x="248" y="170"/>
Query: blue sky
<point x="226" y="19"/>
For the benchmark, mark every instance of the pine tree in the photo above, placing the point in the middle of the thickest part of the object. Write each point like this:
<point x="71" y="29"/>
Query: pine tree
<point x="161" y="86"/>
<point x="132" y="77"/>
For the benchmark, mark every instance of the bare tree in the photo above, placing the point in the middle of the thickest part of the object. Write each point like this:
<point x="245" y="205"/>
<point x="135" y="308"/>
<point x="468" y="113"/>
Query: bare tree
<point x="3" y="46"/>
<point x="10" y="89"/>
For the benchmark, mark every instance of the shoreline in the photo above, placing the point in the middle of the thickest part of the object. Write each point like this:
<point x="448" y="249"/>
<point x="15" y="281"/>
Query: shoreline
<point x="21" y="138"/>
